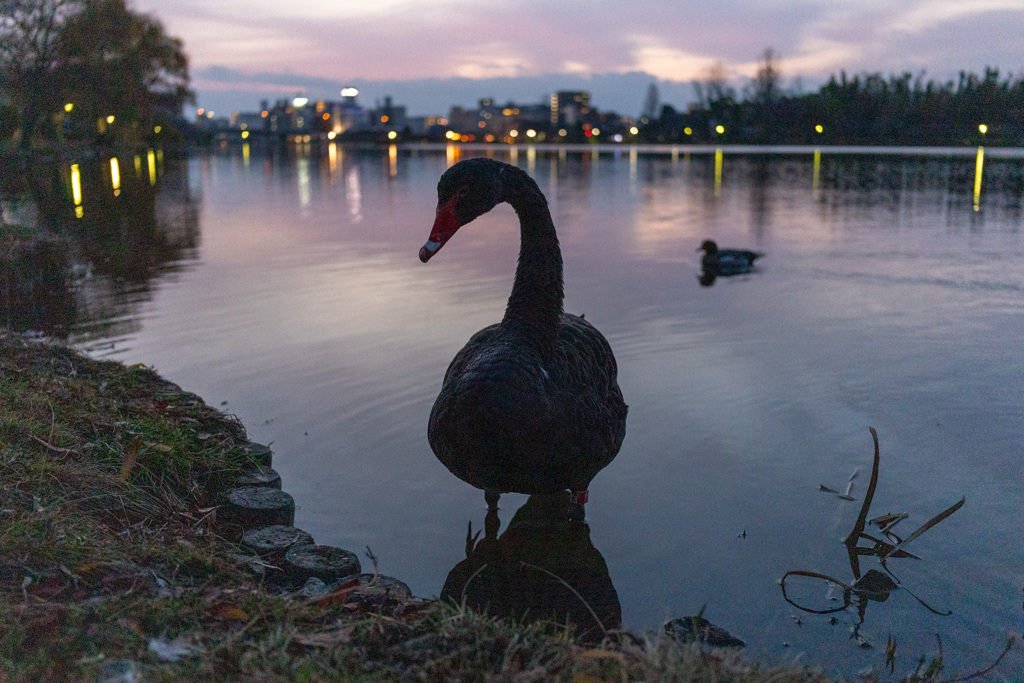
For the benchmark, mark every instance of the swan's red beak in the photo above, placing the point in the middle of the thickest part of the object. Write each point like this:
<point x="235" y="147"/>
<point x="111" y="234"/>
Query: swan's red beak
<point x="445" y="225"/>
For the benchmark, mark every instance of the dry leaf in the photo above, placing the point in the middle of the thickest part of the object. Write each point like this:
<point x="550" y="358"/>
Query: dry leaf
<point x="598" y="654"/>
<point x="131" y="454"/>
<point x="229" y="612"/>
<point x="170" y="650"/>
<point x="163" y="448"/>
<point x="587" y="678"/>
<point x="326" y="638"/>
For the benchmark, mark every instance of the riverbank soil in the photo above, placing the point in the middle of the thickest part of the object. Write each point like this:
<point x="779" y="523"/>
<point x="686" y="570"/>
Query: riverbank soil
<point x="112" y="566"/>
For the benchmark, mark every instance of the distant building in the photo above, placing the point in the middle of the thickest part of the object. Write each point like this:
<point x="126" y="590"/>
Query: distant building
<point x="569" y="106"/>
<point x="388" y="117"/>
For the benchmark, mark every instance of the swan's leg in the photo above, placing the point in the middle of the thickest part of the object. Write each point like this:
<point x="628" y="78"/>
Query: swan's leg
<point x="491" y="496"/>
<point x="577" y="499"/>
<point x="491" y="524"/>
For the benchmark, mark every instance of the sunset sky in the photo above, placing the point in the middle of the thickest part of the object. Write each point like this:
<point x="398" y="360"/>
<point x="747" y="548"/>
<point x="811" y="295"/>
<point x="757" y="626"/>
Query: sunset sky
<point x="429" y="55"/>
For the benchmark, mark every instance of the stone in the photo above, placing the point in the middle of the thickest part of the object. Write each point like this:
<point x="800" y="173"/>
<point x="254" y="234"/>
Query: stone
<point x="255" y="506"/>
<point x="700" y="630"/>
<point x="327" y="563"/>
<point x="261" y="476"/>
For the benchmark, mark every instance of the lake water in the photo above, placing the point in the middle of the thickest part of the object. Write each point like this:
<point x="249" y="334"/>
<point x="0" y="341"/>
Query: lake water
<point x="285" y="287"/>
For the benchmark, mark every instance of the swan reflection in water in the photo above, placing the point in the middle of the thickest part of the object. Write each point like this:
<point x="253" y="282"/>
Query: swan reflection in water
<point x="543" y="567"/>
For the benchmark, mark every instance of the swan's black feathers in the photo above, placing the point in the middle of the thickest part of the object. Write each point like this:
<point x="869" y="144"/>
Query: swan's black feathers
<point x="508" y="421"/>
<point x="530" y="404"/>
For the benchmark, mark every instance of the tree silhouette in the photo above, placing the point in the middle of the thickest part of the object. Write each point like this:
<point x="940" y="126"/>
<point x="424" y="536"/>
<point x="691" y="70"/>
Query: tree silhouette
<point x="97" y="55"/>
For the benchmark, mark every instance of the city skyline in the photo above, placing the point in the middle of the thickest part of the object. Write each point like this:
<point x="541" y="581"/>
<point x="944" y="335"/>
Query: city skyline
<point x="433" y="57"/>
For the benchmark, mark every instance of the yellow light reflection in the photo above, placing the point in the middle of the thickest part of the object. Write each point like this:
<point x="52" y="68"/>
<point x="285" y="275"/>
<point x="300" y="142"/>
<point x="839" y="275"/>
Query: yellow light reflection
<point x="76" y="185"/>
<point x="977" y="178"/>
<point x="151" y="158"/>
<point x="245" y="154"/>
<point x="79" y="212"/>
<point x="138" y="166"/>
<point x="115" y="176"/>
<point x="718" y="169"/>
<point x="816" y="173"/>
<point x="332" y="156"/>
<point x="451" y="153"/>
<point x="393" y="160"/>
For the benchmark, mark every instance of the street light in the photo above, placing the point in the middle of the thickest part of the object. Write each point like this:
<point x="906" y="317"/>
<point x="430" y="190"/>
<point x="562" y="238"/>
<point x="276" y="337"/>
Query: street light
<point x="719" y="129"/>
<point x="983" y="128"/>
<point x="819" y="128"/>
<point x="110" y="119"/>
<point x="68" y="107"/>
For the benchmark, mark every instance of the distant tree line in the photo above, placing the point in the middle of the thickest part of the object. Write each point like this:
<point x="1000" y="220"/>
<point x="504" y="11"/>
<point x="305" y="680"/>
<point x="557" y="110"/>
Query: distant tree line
<point x="87" y="70"/>
<point x="865" y="109"/>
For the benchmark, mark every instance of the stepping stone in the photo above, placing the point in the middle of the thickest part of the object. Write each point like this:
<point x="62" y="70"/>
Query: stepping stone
<point x="263" y="455"/>
<point x="698" y="629"/>
<point x="327" y="563"/>
<point x="255" y="506"/>
<point x="272" y="542"/>
<point x="387" y="585"/>
<point x="263" y="476"/>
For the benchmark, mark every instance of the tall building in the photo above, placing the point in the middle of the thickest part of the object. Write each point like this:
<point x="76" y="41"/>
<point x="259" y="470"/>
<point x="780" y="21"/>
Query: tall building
<point x="567" y="106"/>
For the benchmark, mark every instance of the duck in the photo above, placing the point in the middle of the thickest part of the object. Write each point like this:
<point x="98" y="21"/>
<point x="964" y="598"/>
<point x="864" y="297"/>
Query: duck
<point x="727" y="262"/>
<point x="530" y="404"/>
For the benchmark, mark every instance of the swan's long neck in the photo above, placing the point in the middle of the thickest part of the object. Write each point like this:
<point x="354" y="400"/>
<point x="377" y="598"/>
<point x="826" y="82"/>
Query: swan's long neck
<point x="535" y="305"/>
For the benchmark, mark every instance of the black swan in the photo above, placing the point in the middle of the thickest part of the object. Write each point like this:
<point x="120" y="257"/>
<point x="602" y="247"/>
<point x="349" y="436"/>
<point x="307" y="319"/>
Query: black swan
<point x="727" y="261"/>
<point x="531" y="404"/>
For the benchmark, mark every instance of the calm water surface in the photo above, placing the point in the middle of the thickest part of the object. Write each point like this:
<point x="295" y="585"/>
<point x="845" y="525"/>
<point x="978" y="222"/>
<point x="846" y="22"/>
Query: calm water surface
<point x="887" y="298"/>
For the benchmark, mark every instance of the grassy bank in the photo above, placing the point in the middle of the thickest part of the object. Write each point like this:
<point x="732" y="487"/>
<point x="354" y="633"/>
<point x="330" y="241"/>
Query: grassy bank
<point x="111" y="563"/>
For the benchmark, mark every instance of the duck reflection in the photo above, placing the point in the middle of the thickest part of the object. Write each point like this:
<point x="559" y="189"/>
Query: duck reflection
<point x="544" y="566"/>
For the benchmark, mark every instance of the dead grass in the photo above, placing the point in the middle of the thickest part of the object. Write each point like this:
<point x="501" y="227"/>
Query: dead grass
<point x="109" y="562"/>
